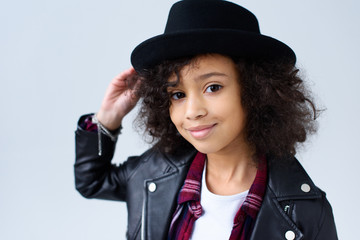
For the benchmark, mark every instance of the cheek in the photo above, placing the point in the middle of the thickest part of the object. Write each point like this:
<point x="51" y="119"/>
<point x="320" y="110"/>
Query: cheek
<point x="226" y="106"/>
<point x="174" y="115"/>
<point x="231" y="110"/>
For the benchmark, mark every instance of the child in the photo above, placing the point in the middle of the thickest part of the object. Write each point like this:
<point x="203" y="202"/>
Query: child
<point x="226" y="108"/>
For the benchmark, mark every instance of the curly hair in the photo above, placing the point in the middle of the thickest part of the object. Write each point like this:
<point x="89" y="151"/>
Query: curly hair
<point x="280" y="111"/>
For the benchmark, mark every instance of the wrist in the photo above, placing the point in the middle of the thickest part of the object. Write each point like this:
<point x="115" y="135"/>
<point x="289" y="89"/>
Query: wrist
<point x="108" y="120"/>
<point x="113" y="134"/>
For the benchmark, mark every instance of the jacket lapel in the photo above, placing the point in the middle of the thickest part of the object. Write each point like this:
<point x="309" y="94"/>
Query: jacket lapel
<point x="160" y="198"/>
<point x="287" y="180"/>
<point x="272" y="222"/>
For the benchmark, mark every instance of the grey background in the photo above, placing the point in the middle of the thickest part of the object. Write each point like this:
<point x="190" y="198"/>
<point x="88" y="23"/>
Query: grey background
<point x="57" y="58"/>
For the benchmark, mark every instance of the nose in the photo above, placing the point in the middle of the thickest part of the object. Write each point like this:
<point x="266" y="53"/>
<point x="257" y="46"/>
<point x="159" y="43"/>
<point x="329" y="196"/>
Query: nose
<point x="195" y="108"/>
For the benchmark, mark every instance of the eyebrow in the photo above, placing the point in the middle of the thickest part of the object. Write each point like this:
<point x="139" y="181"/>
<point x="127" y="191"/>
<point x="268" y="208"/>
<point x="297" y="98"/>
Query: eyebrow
<point x="210" y="74"/>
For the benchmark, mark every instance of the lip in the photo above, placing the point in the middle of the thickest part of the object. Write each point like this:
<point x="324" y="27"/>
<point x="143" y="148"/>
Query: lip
<point x="201" y="131"/>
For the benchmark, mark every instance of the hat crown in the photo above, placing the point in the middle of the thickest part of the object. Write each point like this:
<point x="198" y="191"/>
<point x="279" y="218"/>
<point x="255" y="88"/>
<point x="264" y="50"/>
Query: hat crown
<point x="190" y="15"/>
<point x="210" y="26"/>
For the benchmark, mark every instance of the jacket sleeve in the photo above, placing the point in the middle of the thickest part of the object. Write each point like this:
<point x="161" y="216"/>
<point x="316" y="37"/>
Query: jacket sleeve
<point x="327" y="229"/>
<point x="96" y="176"/>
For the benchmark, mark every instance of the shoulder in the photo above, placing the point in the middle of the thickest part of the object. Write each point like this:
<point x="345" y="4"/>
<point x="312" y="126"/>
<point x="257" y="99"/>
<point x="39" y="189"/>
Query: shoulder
<point x="301" y="202"/>
<point x="288" y="179"/>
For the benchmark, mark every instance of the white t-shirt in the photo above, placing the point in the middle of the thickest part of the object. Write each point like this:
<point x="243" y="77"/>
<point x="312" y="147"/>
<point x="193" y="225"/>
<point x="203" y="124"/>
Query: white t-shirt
<point x="218" y="215"/>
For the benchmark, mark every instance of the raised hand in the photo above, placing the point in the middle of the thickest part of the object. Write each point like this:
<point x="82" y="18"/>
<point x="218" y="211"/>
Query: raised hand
<point x="119" y="99"/>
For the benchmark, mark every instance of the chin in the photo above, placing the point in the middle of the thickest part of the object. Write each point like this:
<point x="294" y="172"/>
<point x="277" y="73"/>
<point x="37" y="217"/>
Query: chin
<point x="204" y="148"/>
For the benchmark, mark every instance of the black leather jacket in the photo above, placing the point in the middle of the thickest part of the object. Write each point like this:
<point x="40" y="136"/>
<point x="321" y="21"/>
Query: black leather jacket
<point x="150" y="183"/>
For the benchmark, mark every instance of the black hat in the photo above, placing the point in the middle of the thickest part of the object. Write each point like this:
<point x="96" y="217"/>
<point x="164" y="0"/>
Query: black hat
<point x="209" y="26"/>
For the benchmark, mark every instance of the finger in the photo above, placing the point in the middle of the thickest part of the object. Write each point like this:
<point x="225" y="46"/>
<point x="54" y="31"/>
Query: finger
<point x="125" y="78"/>
<point x="125" y="74"/>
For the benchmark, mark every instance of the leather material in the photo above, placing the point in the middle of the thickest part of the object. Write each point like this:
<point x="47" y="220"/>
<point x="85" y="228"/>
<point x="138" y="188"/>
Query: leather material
<point x="285" y="206"/>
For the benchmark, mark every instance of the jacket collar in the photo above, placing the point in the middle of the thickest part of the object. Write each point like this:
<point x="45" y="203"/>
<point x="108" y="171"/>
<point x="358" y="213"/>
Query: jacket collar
<point x="182" y="156"/>
<point x="287" y="179"/>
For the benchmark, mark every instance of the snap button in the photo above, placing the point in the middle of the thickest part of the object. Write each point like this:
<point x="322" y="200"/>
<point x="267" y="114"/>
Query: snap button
<point x="152" y="187"/>
<point x="305" y="187"/>
<point x="290" y="235"/>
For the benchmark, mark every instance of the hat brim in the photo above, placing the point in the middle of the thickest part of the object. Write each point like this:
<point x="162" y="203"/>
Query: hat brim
<point x="233" y="43"/>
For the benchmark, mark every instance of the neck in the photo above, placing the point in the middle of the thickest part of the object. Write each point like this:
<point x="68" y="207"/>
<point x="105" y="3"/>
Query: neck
<point x="230" y="171"/>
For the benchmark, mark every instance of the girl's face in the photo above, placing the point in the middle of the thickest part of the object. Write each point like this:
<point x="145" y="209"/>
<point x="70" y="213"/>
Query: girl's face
<point x="206" y="104"/>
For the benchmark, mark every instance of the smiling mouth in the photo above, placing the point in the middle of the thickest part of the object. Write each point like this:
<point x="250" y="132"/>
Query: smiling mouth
<point x="201" y="132"/>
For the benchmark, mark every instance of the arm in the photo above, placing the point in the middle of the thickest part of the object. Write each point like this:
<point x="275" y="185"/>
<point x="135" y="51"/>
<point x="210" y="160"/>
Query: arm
<point x="327" y="229"/>
<point x="95" y="176"/>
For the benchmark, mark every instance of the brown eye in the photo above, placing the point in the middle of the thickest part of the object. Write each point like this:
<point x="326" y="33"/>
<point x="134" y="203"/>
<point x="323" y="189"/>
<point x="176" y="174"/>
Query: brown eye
<point x="213" y="88"/>
<point x="177" y="95"/>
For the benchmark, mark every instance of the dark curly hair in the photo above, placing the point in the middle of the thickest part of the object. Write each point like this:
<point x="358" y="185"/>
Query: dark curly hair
<point x="280" y="111"/>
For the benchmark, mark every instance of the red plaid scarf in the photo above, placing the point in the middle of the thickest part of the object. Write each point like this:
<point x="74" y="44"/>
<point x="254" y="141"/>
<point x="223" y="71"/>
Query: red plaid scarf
<point x="189" y="208"/>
